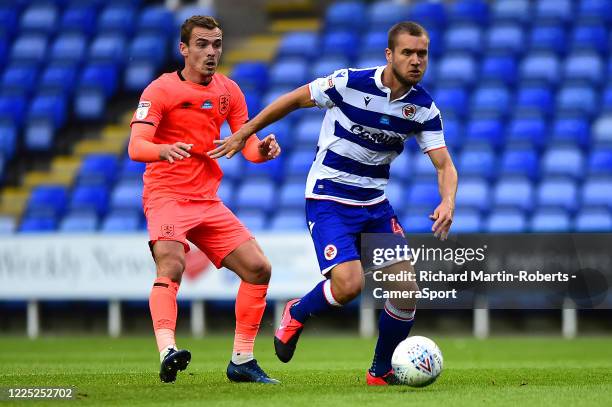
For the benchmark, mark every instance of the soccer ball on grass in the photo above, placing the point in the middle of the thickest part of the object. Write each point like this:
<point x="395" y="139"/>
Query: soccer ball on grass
<point x="417" y="361"/>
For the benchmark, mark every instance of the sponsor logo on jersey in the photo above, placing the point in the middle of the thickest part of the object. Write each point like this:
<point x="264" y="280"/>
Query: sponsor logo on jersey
<point x="330" y="252"/>
<point x="384" y="119"/>
<point x="409" y="111"/>
<point x="167" y="230"/>
<point x="207" y="104"/>
<point x="378" y="138"/>
<point x="366" y="100"/>
<point x="143" y="109"/>
<point x="224" y="101"/>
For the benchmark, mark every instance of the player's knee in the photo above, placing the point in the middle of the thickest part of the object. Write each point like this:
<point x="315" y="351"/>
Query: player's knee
<point x="346" y="288"/>
<point x="260" y="270"/>
<point x="170" y="266"/>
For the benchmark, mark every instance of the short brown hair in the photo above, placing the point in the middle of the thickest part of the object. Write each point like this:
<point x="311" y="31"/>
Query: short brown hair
<point x="207" y="22"/>
<point x="409" y="27"/>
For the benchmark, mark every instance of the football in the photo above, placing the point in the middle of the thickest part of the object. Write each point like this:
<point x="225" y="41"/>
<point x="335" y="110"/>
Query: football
<point x="417" y="361"/>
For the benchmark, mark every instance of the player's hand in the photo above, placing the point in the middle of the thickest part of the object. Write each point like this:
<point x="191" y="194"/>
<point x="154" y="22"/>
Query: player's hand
<point x="173" y="152"/>
<point x="269" y="147"/>
<point x="227" y="147"/>
<point x="443" y="217"/>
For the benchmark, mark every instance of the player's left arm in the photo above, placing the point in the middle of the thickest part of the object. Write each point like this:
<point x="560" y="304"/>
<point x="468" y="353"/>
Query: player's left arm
<point x="447" y="185"/>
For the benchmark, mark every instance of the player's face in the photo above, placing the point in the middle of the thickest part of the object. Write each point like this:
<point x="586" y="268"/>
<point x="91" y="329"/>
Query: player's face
<point x="408" y="60"/>
<point x="204" y="50"/>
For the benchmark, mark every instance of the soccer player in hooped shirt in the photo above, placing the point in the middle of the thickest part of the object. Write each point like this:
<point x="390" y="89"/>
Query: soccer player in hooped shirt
<point x="371" y="112"/>
<point x="178" y="118"/>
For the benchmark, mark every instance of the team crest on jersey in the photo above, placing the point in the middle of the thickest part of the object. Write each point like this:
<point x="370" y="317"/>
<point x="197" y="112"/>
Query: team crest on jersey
<point x="330" y="252"/>
<point x="224" y="101"/>
<point x="167" y="230"/>
<point x="409" y="111"/>
<point x="396" y="228"/>
<point x="143" y="109"/>
<point x="207" y="104"/>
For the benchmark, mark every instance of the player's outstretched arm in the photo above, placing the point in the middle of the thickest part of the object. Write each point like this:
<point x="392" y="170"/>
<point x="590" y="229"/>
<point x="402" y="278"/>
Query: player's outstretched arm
<point x="447" y="184"/>
<point x="275" y="111"/>
<point x="141" y="147"/>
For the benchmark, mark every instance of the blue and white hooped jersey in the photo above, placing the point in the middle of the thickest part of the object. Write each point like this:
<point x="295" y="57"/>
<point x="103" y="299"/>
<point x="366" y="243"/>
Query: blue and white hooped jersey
<point x="363" y="131"/>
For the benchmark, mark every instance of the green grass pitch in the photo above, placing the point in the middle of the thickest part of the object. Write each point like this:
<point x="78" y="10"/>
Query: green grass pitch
<point x="517" y="372"/>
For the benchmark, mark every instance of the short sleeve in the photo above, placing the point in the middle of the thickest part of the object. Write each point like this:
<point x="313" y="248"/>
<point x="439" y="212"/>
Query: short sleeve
<point x="238" y="113"/>
<point x="327" y="92"/>
<point x="431" y="135"/>
<point x="152" y="105"/>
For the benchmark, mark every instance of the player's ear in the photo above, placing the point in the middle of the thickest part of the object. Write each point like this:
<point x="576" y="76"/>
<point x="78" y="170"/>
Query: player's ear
<point x="183" y="49"/>
<point x="388" y="54"/>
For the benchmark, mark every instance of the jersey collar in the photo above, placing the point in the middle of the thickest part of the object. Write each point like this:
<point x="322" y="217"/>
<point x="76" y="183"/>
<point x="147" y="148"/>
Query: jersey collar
<point x="378" y="80"/>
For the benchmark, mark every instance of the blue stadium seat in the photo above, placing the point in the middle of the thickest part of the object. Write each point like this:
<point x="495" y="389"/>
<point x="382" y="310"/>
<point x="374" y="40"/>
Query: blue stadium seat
<point x="345" y="15"/>
<point x="155" y="19"/>
<point x="486" y="130"/>
<point x="540" y="67"/>
<point x="527" y="130"/>
<point x="577" y="99"/>
<point x="506" y="221"/>
<point x="584" y="66"/>
<point x="549" y="37"/>
<point x="121" y="221"/>
<point x="8" y="139"/>
<point x="535" y="99"/>
<point x="59" y="78"/>
<point x="69" y="48"/>
<point x="421" y="165"/>
<point x="550" y="220"/>
<point x="39" y="134"/>
<point x="416" y="220"/>
<point x="284" y="135"/>
<point x="79" y="19"/>
<point x="515" y="11"/>
<point x="602" y="129"/>
<point x="368" y="62"/>
<point x="8" y="21"/>
<point x="466" y="221"/>
<point x="273" y="169"/>
<point x="593" y="220"/>
<point x="571" y="130"/>
<point x="51" y="106"/>
<point x="592" y="37"/>
<point x="596" y="192"/>
<point x="473" y="192"/>
<point x="299" y="162"/>
<point x="606" y="98"/>
<point x="394" y="191"/>
<point x="20" y="78"/>
<point x="289" y="72"/>
<point x="234" y="168"/>
<point x="99" y="168"/>
<point x="38" y="224"/>
<point x="108" y="47"/>
<point x="491" y="99"/>
<point x="101" y="76"/>
<point x="501" y="68"/>
<point x="559" y="192"/>
<point x="292" y="194"/>
<point x="251" y="75"/>
<point x="299" y="44"/>
<point x="289" y="220"/>
<point x="567" y="161"/>
<point x="476" y="11"/>
<point x="452" y="100"/>
<point x="341" y="43"/>
<point x="253" y="102"/>
<point x="79" y="221"/>
<point x="457" y="68"/>
<point x="479" y="160"/>
<point x="253" y="219"/>
<point x="256" y="194"/>
<point x="138" y="74"/>
<point x="386" y="13"/>
<point x="89" y="104"/>
<point x="431" y="14"/>
<point x="131" y="170"/>
<point x="117" y="18"/>
<point x="40" y="18"/>
<point x="600" y="162"/>
<point x="306" y="131"/>
<point x="8" y="224"/>
<point x="520" y="162"/>
<point x="515" y="192"/>
<point x="595" y="10"/>
<point x="553" y="10"/>
<point x="148" y="47"/>
<point x="453" y="132"/>
<point x="401" y="167"/>
<point x="13" y="107"/>
<point x="424" y="194"/>
<point x="29" y="48"/>
<point x="90" y="197"/>
<point x="507" y="38"/>
<point x="463" y="38"/>
<point x="127" y="195"/>
<point x="372" y="43"/>
<point x="326" y="65"/>
<point x="226" y="193"/>
<point x="48" y="198"/>
<point x="187" y="11"/>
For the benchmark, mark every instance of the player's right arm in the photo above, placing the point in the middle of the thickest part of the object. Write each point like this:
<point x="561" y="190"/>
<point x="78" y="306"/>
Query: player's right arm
<point x="151" y="109"/>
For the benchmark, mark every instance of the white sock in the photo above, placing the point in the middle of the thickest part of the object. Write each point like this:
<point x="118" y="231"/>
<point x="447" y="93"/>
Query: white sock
<point x="241" y="357"/>
<point x="165" y="352"/>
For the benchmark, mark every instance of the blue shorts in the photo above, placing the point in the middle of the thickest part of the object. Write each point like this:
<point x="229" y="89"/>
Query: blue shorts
<point x="335" y="229"/>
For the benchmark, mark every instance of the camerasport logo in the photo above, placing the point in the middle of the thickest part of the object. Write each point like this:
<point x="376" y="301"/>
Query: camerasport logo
<point x="409" y="111"/>
<point x="330" y="252"/>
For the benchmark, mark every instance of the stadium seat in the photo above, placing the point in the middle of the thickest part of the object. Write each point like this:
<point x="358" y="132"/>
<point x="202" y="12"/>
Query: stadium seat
<point x="534" y="99"/>
<point x="40" y="18"/>
<point x="39" y="134"/>
<point x="138" y="74"/>
<point x="299" y="45"/>
<point x="8" y="139"/>
<point x="340" y="43"/>
<point x="29" y="48"/>
<point x="372" y="43"/>
<point x="251" y="75"/>
<point x="36" y="224"/>
<point x="602" y="129"/>
<point x="51" y="198"/>
<point x="432" y="15"/>
<point x="514" y="192"/>
<point x="506" y="221"/>
<point x="100" y="76"/>
<point x="573" y="99"/>
<point x="20" y="78"/>
<point x="457" y="69"/>
<point x="466" y="221"/>
<point x="256" y="194"/>
<point x="273" y="169"/>
<point x="9" y="22"/>
<point x="595" y="10"/>
<point x="606" y="102"/>
<point x="98" y="169"/>
<point x="514" y="11"/>
<point x="285" y="220"/>
<point x="501" y="68"/>
<point x="486" y="130"/>
<point x="479" y="160"/>
<point x="491" y="99"/>
<point x="253" y="219"/>
<point x="553" y="11"/>
<point x="79" y="221"/>
<point x="306" y="131"/>
<point x="386" y="13"/>
<point x="274" y="93"/>
<point x="90" y="197"/>
<point x="528" y="130"/>
<point x="423" y="194"/>
<point x="345" y="15"/>
<point x="155" y="19"/>
<point x="549" y="37"/>
<point x="226" y="193"/>
<point x="593" y="220"/>
<point x="121" y="221"/>
<point x="80" y="19"/>
<point x="453" y="132"/>
<point x="520" y="162"/>
<point x="473" y="193"/>
<point x="564" y="161"/>
<point x="69" y="48"/>
<point x="234" y="168"/>
<point x="58" y="78"/>
<point x="131" y="170"/>
<point x="110" y="48"/>
<point x="13" y="107"/>
<point x="117" y="18"/>
<point x="50" y="106"/>
<point x="463" y="38"/>
<point x="475" y="11"/>
<point x="452" y="100"/>
<point x="506" y="38"/>
<point x="401" y="167"/>
<point x="584" y="66"/>
<point x="126" y="195"/>
<point x="291" y="194"/>
<point x="326" y="66"/>
<point x="183" y="13"/>
<point x="571" y="130"/>
<point x="542" y="67"/>
<point x="89" y="104"/>
<point x="550" y="220"/>
<point x="289" y="72"/>
<point x="416" y="222"/>
<point x="8" y="224"/>
<point x="596" y="192"/>
<point x="590" y="37"/>
<point x="600" y="162"/>
<point x="559" y="192"/>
